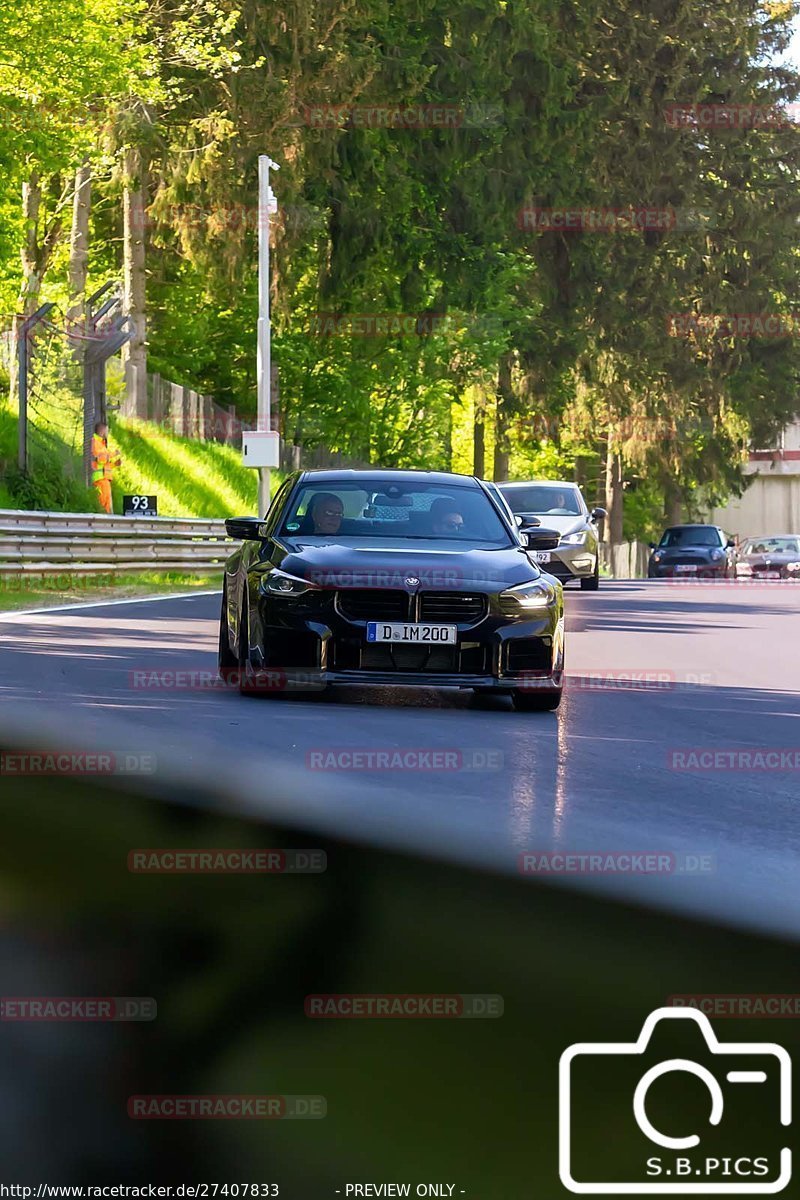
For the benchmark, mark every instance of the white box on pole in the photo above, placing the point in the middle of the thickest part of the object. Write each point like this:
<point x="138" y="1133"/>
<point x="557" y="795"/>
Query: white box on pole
<point x="261" y="448"/>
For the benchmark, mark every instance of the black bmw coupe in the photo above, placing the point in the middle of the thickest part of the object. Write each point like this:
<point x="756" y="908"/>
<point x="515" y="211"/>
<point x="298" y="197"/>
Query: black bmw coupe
<point x="393" y="578"/>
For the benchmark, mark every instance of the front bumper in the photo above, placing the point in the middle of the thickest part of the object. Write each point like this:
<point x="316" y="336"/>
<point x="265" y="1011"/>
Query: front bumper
<point x="278" y="680"/>
<point x="711" y="570"/>
<point x="310" y="649"/>
<point x="571" y="562"/>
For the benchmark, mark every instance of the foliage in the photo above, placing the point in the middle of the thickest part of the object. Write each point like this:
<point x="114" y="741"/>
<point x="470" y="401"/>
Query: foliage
<point x="566" y="341"/>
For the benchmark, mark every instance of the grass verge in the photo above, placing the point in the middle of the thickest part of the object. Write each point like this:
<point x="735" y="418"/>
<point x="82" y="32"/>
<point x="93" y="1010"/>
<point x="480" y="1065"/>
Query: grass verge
<point x="20" y="593"/>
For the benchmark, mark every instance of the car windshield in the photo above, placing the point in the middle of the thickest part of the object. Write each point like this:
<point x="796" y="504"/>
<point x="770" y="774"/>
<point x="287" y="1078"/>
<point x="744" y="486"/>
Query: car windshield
<point x="540" y="499"/>
<point x="368" y="508"/>
<point x="773" y="545"/>
<point x="704" y="535"/>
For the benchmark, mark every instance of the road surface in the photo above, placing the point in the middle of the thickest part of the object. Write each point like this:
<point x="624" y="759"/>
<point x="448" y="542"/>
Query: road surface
<point x="620" y="768"/>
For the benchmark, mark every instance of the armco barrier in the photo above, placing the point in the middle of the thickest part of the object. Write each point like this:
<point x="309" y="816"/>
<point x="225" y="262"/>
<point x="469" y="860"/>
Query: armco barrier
<point x="45" y="543"/>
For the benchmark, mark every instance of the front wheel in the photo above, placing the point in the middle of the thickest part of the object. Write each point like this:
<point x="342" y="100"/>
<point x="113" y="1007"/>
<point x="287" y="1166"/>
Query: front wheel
<point x="536" y="701"/>
<point x="593" y="582"/>
<point x="227" y="662"/>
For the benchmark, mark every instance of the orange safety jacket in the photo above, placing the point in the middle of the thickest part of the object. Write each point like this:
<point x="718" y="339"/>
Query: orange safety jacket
<point x="103" y="461"/>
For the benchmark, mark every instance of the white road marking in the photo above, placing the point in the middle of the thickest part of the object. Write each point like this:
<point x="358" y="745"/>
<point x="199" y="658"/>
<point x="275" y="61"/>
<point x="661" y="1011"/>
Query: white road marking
<point x="38" y="612"/>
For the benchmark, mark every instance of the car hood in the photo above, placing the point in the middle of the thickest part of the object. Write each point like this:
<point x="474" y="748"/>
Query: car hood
<point x="383" y="563"/>
<point x="562" y="525"/>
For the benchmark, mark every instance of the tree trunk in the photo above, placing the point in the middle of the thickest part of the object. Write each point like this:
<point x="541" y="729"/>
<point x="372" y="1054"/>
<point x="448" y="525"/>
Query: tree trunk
<point x="134" y="353"/>
<point x="79" y="248"/>
<point x="614" y="494"/>
<point x="673" y="502"/>
<point x="35" y="253"/>
<point x="479" y="438"/>
<point x="505" y="401"/>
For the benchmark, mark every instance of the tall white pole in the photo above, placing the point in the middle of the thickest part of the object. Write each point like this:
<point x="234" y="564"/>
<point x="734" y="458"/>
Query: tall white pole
<point x="263" y="365"/>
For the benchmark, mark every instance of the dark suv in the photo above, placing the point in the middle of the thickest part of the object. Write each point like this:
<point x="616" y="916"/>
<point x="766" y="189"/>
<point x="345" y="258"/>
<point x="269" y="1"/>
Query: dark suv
<point x="694" y="551"/>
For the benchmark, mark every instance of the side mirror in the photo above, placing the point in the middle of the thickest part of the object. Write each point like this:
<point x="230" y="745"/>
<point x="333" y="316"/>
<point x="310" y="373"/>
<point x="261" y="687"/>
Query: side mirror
<point x="247" y="529"/>
<point x="541" y="539"/>
<point x="527" y="521"/>
<point x="652" y="545"/>
<point x="731" y="544"/>
<point x="598" y="514"/>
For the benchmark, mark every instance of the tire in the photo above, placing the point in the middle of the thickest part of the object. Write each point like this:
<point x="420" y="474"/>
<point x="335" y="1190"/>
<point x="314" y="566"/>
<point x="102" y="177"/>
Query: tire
<point x="227" y="661"/>
<point x="537" y="701"/>
<point x="246" y="685"/>
<point x="593" y="582"/>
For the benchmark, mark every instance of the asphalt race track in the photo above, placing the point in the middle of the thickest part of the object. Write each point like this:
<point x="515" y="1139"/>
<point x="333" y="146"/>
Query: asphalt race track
<point x="624" y="766"/>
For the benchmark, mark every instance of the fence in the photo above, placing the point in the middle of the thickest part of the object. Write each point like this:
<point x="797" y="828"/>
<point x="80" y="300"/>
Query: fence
<point x="46" y="543"/>
<point x="624" y="560"/>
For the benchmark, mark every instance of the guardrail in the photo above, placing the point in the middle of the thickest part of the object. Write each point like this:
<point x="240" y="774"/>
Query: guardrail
<point x="43" y="543"/>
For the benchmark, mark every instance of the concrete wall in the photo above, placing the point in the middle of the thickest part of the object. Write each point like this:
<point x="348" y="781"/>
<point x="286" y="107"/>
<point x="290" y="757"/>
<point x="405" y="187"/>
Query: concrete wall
<point x="771" y="503"/>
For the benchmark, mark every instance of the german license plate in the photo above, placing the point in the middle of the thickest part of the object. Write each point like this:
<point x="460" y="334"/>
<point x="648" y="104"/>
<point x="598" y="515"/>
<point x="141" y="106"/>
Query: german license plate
<point x="770" y="574"/>
<point x="686" y="568"/>
<point x="424" y="635"/>
<point x="541" y="556"/>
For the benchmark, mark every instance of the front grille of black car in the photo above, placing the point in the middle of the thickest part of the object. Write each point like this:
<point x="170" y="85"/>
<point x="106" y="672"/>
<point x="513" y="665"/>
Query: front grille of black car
<point x="353" y="654"/>
<point x="382" y="656"/>
<point x="461" y="608"/>
<point x="392" y="604"/>
<point x="373" y="604"/>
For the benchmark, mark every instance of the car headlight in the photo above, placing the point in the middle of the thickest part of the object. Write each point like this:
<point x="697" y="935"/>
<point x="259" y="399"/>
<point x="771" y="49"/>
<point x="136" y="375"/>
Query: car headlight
<point x="717" y="555"/>
<point x="529" y="597"/>
<point x="574" y="539"/>
<point x="279" y="583"/>
<point x="656" y="556"/>
<point x="795" y="566"/>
